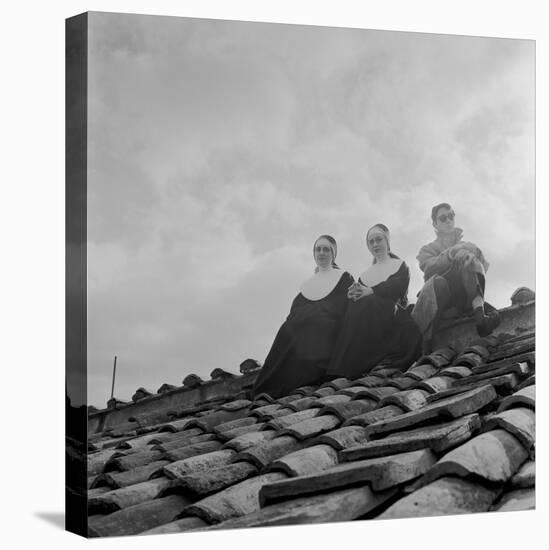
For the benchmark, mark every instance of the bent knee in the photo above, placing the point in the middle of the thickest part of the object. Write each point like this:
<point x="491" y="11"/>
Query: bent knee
<point x="440" y="284"/>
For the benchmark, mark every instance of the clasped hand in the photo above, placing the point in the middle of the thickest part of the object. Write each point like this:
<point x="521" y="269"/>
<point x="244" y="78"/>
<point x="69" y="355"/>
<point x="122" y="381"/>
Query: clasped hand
<point x="357" y="291"/>
<point x="462" y="256"/>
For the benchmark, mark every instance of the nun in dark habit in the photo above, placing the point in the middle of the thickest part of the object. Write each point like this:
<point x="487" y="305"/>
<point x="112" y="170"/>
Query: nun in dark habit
<point x="377" y="326"/>
<point x="303" y="345"/>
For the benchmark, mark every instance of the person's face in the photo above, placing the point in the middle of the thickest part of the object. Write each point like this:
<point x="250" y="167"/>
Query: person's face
<point x="444" y="222"/>
<point x="323" y="253"/>
<point x="377" y="244"/>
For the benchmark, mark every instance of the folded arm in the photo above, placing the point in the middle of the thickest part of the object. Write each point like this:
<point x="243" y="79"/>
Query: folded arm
<point x="432" y="262"/>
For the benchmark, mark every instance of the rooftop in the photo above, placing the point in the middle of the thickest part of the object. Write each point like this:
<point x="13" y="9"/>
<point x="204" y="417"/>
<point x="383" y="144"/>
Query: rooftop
<point x="452" y="434"/>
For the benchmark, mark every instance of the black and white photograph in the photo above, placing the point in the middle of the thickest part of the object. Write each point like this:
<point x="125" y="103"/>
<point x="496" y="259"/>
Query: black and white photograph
<point x="295" y="283"/>
<point x="310" y="274"/>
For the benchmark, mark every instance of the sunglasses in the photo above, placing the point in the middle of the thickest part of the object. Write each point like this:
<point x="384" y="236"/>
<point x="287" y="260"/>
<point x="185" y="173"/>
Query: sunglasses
<point x="443" y="217"/>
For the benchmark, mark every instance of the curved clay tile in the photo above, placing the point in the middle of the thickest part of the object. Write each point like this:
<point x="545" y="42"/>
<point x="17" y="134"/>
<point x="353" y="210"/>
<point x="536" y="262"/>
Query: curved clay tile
<point x="220" y="374"/>
<point x="192" y="381"/>
<point x="165" y="388"/>
<point x="140" y="393"/>
<point x="249" y="365"/>
<point x="522" y="295"/>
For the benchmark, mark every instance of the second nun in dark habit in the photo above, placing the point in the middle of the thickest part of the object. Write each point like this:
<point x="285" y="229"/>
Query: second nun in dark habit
<point x="377" y="326"/>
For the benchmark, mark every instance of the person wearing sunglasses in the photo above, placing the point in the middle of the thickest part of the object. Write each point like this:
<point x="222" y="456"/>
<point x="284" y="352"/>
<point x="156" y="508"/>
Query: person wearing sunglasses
<point x="377" y="326"/>
<point x="455" y="278"/>
<point x="303" y="346"/>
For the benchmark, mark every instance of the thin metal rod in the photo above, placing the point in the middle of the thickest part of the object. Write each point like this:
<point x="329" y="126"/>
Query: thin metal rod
<point x="113" y="377"/>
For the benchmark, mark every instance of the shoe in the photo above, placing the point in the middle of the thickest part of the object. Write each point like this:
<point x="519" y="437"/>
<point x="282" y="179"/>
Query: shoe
<point x="488" y="323"/>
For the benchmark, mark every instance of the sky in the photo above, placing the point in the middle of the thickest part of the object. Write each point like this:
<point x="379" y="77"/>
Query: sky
<point x="218" y="151"/>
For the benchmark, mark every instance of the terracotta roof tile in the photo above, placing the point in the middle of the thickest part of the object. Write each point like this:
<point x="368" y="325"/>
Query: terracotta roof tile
<point x="421" y="372"/>
<point x="265" y="410"/>
<point x="343" y="505"/>
<point x="338" y="384"/>
<point x="503" y="385"/>
<point x="165" y="388"/>
<point x="263" y="399"/>
<point x="377" y="415"/>
<point x="302" y="403"/>
<point x="530" y="381"/>
<point x="131" y="495"/>
<point x="520" y="499"/>
<point x="176" y="425"/>
<point x="402" y="383"/>
<point x="130" y="461"/>
<point x="137" y="442"/>
<point x="289" y="399"/>
<point x="525" y="477"/>
<point x="177" y="526"/>
<point x="370" y="381"/>
<point x="519" y="421"/>
<point x="193" y="449"/>
<point x="439" y="358"/>
<point x="238" y="423"/>
<point x="456" y="372"/>
<point x="469" y="359"/>
<point x="251" y="439"/>
<point x="90" y="484"/>
<point x="407" y="400"/>
<point x="444" y="496"/>
<point x="305" y="461"/>
<point x="292" y="418"/>
<point x="436" y="384"/>
<point x="239" y="500"/>
<point x="199" y="463"/>
<point x="494" y="456"/>
<point x="181" y="442"/>
<point x="352" y="390"/>
<point x="266" y="452"/>
<point x="305" y="390"/>
<point x="216" y="479"/>
<point x="375" y="394"/>
<point x="236" y="405"/>
<point x="331" y="400"/>
<point x="159" y="438"/>
<point x="353" y="408"/>
<point x="94" y="492"/>
<point x="312" y="426"/>
<point x="323" y="392"/>
<point x="385" y="371"/>
<point x="220" y="374"/>
<point x="381" y="473"/>
<point x="117" y="480"/>
<point x="343" y="438"/>
<point x="139" y="518"/>
<point x="98" y="460"/>
<point x="479" y="349"/>
<point x="438" y="437"/>
<point x="526" y="397"/>
<point x="521" y="369"/>
<point x="235" y="432"/>
<point x="141" y="393"/>
<point x="210" y="421"/>
<point x="192" y="381"/>
<point x="451" y="407"/>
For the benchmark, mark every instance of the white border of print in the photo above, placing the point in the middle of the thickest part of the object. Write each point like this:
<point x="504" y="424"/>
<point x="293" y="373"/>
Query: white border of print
<point x="33" y="274"/>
